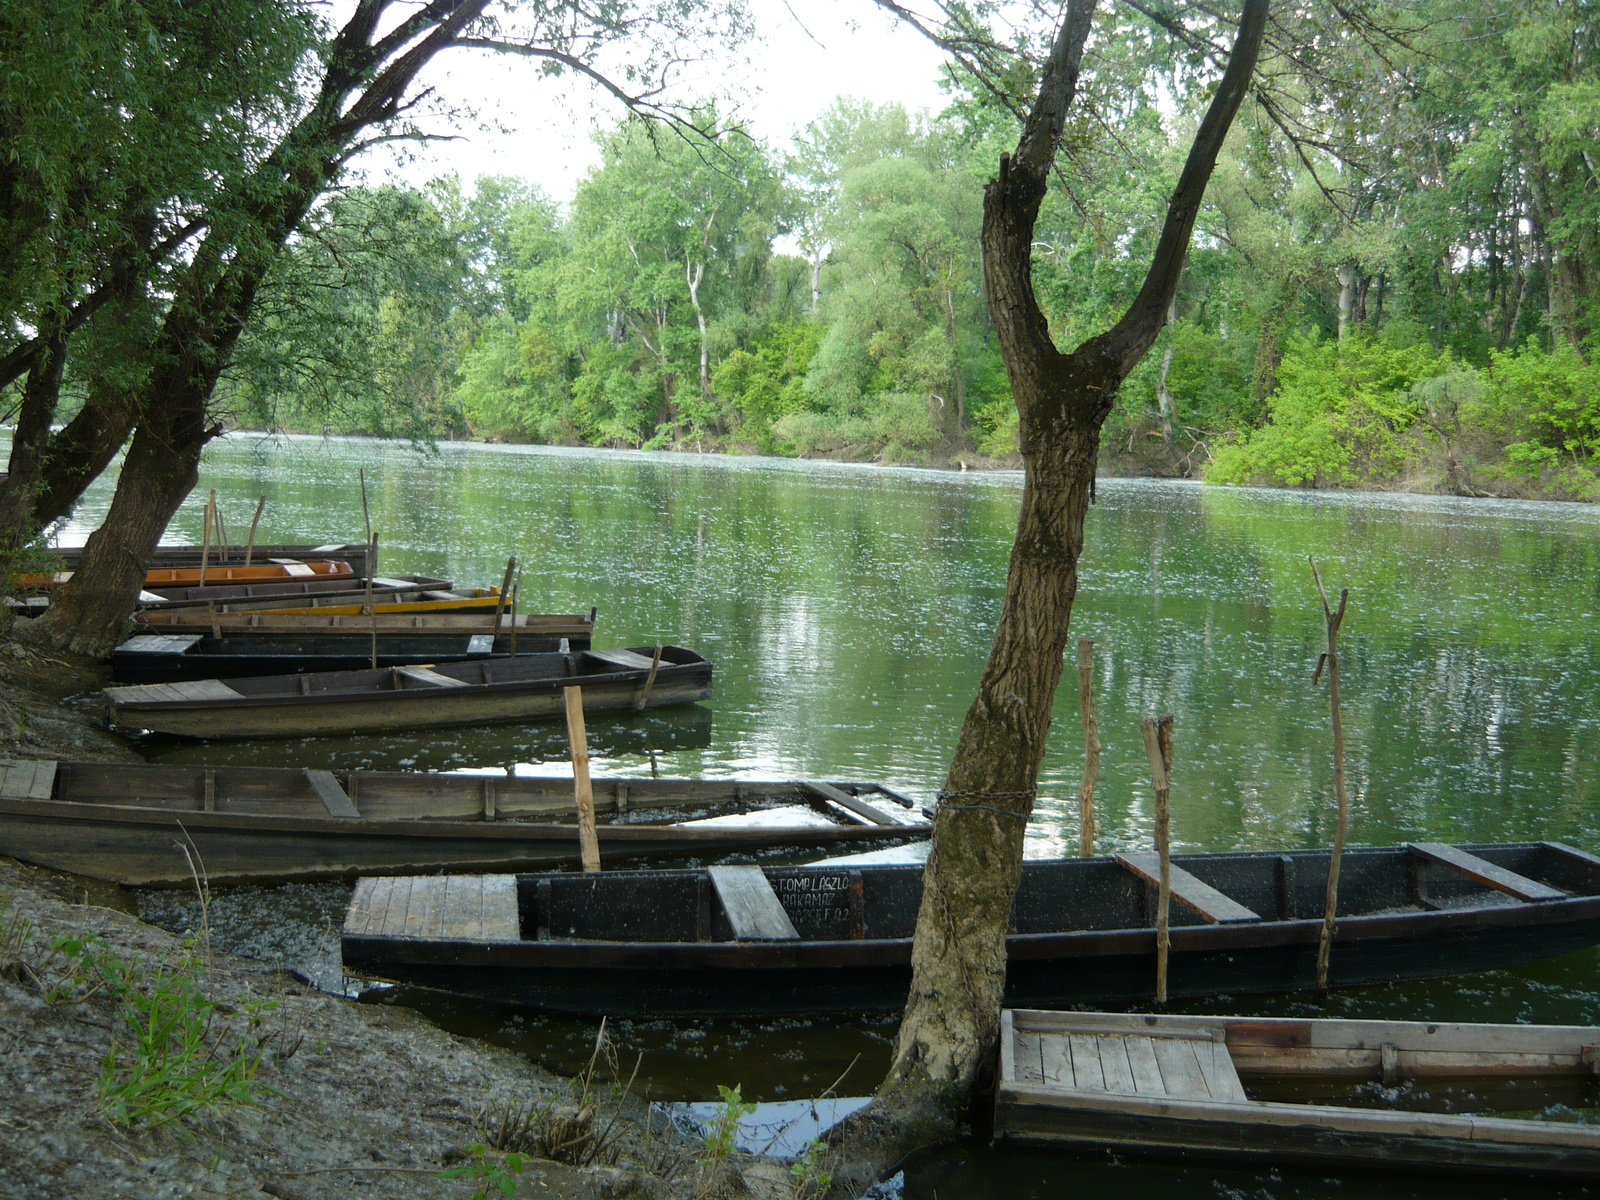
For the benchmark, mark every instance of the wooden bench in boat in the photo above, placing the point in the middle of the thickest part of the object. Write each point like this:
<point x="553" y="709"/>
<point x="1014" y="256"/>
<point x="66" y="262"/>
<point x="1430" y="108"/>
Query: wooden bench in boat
<point x="1187" y="1064"/>
<point x="859" y="808"/>
<point x="1128" y="1082"/>
<point x="626" y="659"/>
<point x="194" y="689"/>
<point x="752" y="907"/>
<point x="333" y="797"/>
<point x="467" y="908"/>
<point x="1486" y="872"/>
<point x="1192" y="893"/>
<point x="30" y="780"/>
<point x="432" y="678"/>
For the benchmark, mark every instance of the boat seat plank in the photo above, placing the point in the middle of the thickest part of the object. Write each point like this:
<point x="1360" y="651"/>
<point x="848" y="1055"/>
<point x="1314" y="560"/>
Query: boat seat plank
<point x="1142" y="1063"/>
<point x="751" y="905"/>
<point x="1088" y="1075"/>
<point x="626" y="659"/>
<point x="1028" y="1059"/>
<point x="359" y="915"/>
<point x="31" y="779"/>
<point x="1221" y="1076"/>
<point x="1116" y="1068"/>
<point x="1487" y="873"/>
<point x="1187" y="890"/>
<point x="501" y="920"/>
<point x="859" y="808"/>
<point x="1055" y="1060"/>
<point x="433" y="678"/>
<point x="159" y="643"/>
<point x="1180" y="1069"/>
<point x="333" y="797"/>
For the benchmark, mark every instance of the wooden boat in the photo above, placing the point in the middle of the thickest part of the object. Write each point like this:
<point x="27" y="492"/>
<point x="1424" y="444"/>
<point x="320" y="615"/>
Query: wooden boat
<point x="240" y="596"/>
<point x="217" y="575"/>
<point x="387" y="618"/>
<point x="354" y="553"/>
<point x="338" y="702"/>
<point x="238" y="654"/>
<point x="480" y="601"/>
<point x="126" y="822"/>
<point x="1382" y="1094"/>
<point x="675" y="943"/>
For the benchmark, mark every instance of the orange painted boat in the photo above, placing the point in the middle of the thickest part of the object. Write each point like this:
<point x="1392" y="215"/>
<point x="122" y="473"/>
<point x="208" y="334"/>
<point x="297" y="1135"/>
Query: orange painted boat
<point x="217" y="574"/>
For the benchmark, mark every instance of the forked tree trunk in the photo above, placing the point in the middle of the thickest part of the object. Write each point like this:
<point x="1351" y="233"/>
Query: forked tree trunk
<point x="958" y="955"/>
<point x="82" y="451"/>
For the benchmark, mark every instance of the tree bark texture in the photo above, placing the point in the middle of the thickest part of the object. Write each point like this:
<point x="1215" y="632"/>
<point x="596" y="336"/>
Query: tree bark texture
<point x="952" y="1017"/>
<point x="29" y="444"/>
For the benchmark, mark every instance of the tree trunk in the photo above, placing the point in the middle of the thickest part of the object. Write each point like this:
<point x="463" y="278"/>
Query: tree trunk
<point x="1347" y="299"/>
<point x="82" y="451"/>
<point x="816" y="282"/>
<point x="19" y="493"/>
<point x="958" y="956"/>
<point x="694" y="277"/>
<point x="88" y="615"/>
<point x="1164" y="405"/>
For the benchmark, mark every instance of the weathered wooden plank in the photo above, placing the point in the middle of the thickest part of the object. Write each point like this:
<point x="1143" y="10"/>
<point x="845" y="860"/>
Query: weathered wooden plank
<point x="331" y="794"/>
<point x="1142" y="1063"/>
<point x="626" y="659"/>
<point x="158" y="643"/>
<point x="358" y="917"/>
<point x="463" y="907"/>
<point x="1487" y="873"/>
<point x="1055" y="1061"/>
<point x="751" y="905"/>
<point x="389" y="905"/>
<point x="1216" y="1065"/>
<point x="1028" y="1061"/>
<point x="423" y="675"/>
<point x="427" y="894"/>
<point x="501" y="919"/>
<point x="845" y="800"/>
<point x="1180" y="1070"/>
<point x="1086" y="1069"/>
<point x="1188" y="890"/>
<point x="1114" y="1065"/>
<point x="28" y="779"/>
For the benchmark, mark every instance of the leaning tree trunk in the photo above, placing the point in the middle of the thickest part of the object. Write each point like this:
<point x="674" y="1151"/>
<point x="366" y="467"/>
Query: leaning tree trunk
<point x="958" y="958"/>
<point x="161" y="469"/>
<point x="82" y="451"/>
<point x="19" y="492"/>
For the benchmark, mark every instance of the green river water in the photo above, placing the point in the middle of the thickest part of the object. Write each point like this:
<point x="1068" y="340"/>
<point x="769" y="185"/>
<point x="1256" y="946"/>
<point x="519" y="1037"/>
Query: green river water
<point x="849" y="609"/>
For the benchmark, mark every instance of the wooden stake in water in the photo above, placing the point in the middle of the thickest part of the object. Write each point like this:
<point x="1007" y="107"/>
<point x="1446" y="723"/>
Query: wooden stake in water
<point x="205" y="536"/>
<point x="515" y="588"/>
<point x="222" y="530"/>
<point x="250" y="547"/>
<point x="505" y="595"/>
<point x="1330" y="659"/>
<point x="372" y="609"/>
<point x="1091" y="747"/>
<point x="366" y="515"/>
<point x="1158" y="746"/>
<point x="583" y="792"/>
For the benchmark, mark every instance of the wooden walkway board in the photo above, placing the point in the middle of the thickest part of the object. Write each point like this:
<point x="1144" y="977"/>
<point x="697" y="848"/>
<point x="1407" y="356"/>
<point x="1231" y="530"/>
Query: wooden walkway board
<point x="1487" y="873"/>
<point x="158" y="643"/>
<point x="27" y="780"/>
<point x="752" y="906"/>
<point x="1188" y="890"/>
<point x="1177" y="1067"/>
<point x="466" y="908"/>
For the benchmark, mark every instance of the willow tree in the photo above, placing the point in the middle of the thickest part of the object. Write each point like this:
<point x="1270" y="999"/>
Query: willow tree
<point x="952" y="1017"/>
<point x="359" y="88"/>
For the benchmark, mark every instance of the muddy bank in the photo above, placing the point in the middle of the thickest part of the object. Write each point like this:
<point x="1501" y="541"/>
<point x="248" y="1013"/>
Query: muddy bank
<point x="346" y="1099"/>
<point x="34" y="720"/>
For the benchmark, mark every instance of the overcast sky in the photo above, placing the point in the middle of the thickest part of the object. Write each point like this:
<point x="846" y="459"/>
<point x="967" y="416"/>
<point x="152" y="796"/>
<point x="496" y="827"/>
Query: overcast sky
<point x="845" y="47"/>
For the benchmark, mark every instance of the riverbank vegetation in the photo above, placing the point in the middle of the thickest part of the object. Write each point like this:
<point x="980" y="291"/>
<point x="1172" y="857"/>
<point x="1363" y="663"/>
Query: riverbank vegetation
<point x="1409" y="305"/>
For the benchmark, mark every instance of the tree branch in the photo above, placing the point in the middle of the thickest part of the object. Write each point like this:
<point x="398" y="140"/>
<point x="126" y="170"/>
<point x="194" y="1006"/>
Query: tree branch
<point x="1130" y="337"/>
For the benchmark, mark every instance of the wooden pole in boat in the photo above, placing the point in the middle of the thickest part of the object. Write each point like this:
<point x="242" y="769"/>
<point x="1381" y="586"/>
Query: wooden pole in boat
<point x="222" y="531"/>
<point x="515" y="588"/>
<point x="505" y="594"/>
<point x="372" y="609"/>
<point x="1091" y="747"/>
<point x="250" y="547"/>
<point x="650" y="680"/>
<point x="205" y="536"/>
<point x="582" y="790"/>
<point x="1158" y="745"/>
<point x="1330" y="659"/>
<point x="366" y="516"/>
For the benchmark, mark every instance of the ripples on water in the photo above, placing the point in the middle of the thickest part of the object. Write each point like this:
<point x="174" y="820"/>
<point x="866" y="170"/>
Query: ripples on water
<point x="849" y="609"/>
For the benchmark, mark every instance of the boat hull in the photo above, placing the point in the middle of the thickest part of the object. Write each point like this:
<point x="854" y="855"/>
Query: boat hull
<point x="242" y="658"/>
<point x="1086" y="935"/>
